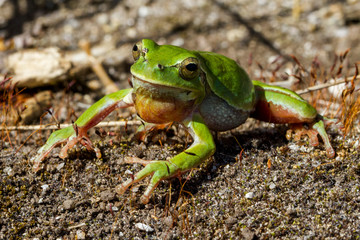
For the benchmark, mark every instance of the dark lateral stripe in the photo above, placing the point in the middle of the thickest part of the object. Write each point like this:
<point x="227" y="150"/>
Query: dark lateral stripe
<point x="190" y="153"/>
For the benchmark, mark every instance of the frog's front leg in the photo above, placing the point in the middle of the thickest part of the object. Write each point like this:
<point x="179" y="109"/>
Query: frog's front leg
<point x="78" y="132"/>
<point x="202" y="148"/>
<point x="280" y="105"/>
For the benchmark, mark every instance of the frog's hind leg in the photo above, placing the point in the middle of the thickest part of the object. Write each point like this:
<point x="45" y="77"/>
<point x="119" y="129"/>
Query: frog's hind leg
<point x="279" y="105"/>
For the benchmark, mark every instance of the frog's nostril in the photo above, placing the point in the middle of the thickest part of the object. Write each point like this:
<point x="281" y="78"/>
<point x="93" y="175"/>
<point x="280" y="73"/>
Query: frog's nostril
<point x="161" y="67"/>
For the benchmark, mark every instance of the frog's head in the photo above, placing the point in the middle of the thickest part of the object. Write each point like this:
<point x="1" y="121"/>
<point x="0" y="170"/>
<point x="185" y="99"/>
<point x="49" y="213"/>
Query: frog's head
<point x="167" y="80"/>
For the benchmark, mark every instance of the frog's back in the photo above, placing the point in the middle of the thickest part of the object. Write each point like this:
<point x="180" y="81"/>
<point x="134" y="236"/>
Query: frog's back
<point x="228" y="80"/>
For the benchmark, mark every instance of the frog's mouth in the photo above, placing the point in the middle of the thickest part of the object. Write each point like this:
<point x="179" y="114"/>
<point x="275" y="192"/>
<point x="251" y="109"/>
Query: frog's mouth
<point x="161" y="90"/>
<point x="157" y="103"/>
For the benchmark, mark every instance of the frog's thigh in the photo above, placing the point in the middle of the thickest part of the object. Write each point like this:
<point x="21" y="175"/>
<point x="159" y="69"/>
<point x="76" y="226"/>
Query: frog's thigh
<point x="219" y="115"/>
<point x="278" y="108"/>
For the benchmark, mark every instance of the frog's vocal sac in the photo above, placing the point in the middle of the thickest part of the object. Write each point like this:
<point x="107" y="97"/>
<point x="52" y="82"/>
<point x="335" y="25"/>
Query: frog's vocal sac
<point x="203" y="91"/>
<point x="159" y="104"/>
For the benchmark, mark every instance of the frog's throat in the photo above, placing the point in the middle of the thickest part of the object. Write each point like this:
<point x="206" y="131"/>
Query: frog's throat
<point x="156" y="103"/>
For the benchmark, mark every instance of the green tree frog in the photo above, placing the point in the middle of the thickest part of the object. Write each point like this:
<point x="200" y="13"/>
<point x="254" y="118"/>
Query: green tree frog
<point x="205" y="92"/>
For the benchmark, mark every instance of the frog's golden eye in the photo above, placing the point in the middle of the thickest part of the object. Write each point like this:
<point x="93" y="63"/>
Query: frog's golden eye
<point x="136" y="51"/>
<point x="189" y="68"/>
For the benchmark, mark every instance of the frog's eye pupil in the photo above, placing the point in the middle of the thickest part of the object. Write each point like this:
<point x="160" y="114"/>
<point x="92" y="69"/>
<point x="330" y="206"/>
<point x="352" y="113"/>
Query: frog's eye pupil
<point x="192" y="67"/>
<point x="189" y="68"/>
<point x="136" y="50"/>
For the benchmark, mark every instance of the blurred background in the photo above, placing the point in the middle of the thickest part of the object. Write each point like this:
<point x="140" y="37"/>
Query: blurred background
<point x="246" y="30"/>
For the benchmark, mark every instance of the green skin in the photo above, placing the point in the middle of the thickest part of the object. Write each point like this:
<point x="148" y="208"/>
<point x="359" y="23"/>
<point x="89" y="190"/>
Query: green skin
<point x="202" y="90"/>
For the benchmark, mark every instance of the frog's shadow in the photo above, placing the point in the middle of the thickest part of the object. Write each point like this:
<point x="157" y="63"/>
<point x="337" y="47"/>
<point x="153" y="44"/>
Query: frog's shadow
<point x="228" y="149"/>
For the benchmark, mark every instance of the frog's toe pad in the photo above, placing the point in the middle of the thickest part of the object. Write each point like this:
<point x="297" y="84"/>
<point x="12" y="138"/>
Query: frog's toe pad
<point x="132" y="160"/>
<point x="120" y="189"/>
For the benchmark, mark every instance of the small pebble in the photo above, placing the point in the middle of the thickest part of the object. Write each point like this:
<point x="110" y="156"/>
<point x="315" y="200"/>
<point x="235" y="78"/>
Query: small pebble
<point x="107" y="195"/>
<point x="68" y="204"/>
<point x="45" y="187"/>
<point x="169" y="221"/>
<point x="144" y="227"/>
<point x="272" y="186"/>
<point x="60" y="166"/>
<point x="102" y="206"/>
<point x="230" y="221"/>
<point x="115" y="209"/>
<point x="9" y="171"/>
<point x="249" y="195"/>
<point x="80" y="234"/>
<point x="128" y="172"/>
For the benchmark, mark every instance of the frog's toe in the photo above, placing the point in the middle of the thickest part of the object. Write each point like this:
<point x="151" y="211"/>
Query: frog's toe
<point x="148" y="170"/>
<point x="320" y="128"/>
<point x="132" y="160"/>
<point x="39" y="157"/>
<point x="158" y="169"/>
<point x="120" y="189"/>
<point x="85" y="141"/>
<point x="149" y="190"/>
<point x="43" y="152"/>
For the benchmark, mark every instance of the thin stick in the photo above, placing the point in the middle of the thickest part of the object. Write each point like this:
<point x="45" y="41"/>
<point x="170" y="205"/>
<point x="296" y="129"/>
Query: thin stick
<point x="325" y="85"/>
<point x="99" y="70"/>
<point x="41" y="127"/>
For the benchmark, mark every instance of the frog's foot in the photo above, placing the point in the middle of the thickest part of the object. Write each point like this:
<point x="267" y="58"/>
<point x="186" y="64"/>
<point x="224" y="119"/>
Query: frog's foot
<point x="312" y="132"/>
<point x="83" y="140"/>
<point x="159" y="170"/>
<point x="41" y="155"/>
<point x="56" y="138"/>
<point x="71" y="136"/>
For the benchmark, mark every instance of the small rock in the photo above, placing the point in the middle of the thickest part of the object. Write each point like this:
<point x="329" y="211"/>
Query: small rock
<point x="128" y="172"/>
<point x="115" y="209"/>
<point x="9" y="171"/>
<point x="249" y="195"/>
<point x="69" y="204"/>
<point x="291" y="211"/>
<point x="169" y="221"/>
<point x="230" y="221"/>
<point x="144" y="227"/>
<point x="45" y="187"/>
<point x="248" y="234"/>
<point x="107" y="195"/>
<point x="102" y="206"/>
<point x="272" y="186"/>
<point x="60" y="166"/>
<point x="35" y="107"/>
<point x="100" y="216"/>
<point x="35" y="68"/>
<point x="80" y="234"/>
